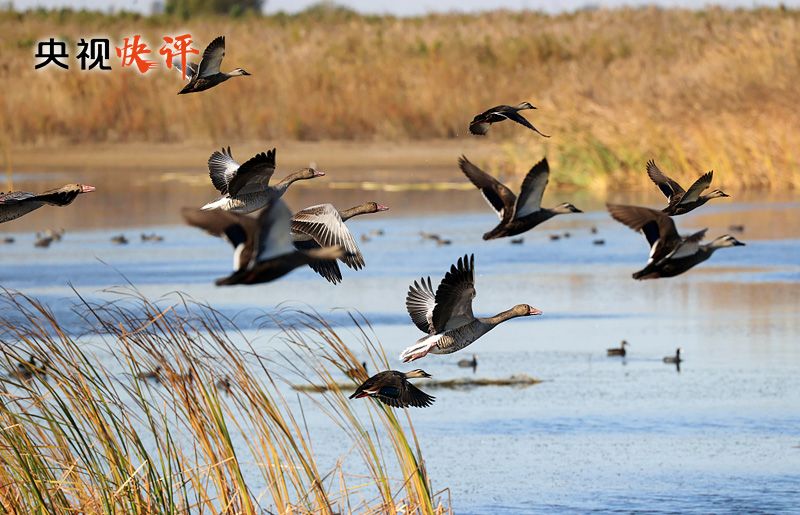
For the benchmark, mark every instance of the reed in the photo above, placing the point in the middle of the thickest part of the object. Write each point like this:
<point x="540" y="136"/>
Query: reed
<point x="214" y="434"/>
<point x="695" y="90"/>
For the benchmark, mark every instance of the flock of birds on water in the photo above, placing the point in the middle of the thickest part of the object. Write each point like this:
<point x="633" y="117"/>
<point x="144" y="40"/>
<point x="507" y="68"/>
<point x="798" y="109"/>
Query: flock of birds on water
<point x="276" y="241"/>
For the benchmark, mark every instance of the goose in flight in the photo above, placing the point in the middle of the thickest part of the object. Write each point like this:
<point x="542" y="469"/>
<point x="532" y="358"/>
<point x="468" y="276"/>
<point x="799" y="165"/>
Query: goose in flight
<point x="446" y="316"/>
<point x="263" y="249"/>
<point x="682" y="201"/>
<point x="670" y="253"/>
<point x="480" y="124"/>
<point x="245" y="188"/>
<point x="322" y="225"/>
<point x="207" y="75"/>
<point x="517" y="214"/>
<point x="15" y="204"/>
<point x="393" y="389"/>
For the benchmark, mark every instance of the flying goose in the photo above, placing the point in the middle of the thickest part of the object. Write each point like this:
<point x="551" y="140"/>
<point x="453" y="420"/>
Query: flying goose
<point x="245" y="188"/>
<point x="446" y="317"/>
<point x="207" y="74"/>
<point x="517" y="214"/>
<point x="263" y="249"/>
<point x="393" y="389"/>
<point x="618" y="351"/>
<point x="479" y="125"/>
<point x="323" y="225"/>
<point x="682" y="201"/>
<point x="670" y="253"/>
<point x="18" y="203"/>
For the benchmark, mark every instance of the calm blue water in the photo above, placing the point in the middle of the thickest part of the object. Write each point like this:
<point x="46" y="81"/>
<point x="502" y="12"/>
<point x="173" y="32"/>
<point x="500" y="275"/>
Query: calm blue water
<point x="722" y="435"/>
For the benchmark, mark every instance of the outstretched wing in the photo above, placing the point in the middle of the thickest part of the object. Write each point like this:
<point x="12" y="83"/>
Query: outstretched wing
<point x="191" y="68"/>
<point x="222" y="168"/>
<point x="254" y="174"/>
<point x="532" y="190"/>
<point x="700" y="185"/>
<point x="212" y="58"/>
<point x="658" y="228"/>
<point x="668" y="187"/>
<point x="689" y="246"/>
<point x="239" y="230"/>
<point x="420" y="302"/>
<point x="328" y="269"/>
<point x="496" y="194"/>
<point x="454" y="296"/>
<point x="274" y="235"/>
<point x="324" y="224"/>
<point x="515" y="116"/>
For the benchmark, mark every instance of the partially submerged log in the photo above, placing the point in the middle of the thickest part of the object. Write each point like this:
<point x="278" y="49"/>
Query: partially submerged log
<point x="518" y="380"/>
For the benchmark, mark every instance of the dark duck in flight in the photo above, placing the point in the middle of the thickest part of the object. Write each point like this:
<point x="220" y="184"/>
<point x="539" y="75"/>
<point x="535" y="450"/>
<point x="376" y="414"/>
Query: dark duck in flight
<point x="670" y="253"/>
<point x="481" y="123"/>
<point x="682" y="201"/>
<point x="393" y="389"/>
<point x="517" y="214"/>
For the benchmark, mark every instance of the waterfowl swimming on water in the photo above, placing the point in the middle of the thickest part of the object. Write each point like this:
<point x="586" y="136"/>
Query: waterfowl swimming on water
<point x="682" y="201"/>
<point x="446" y="317"/>
<point x="27" y="370"/>
<point x="555" y="237"/>
<point x="517" y="214"/>
<point x="670" y="253"/>
<point x="365" y="238"/>
<point x="322" y="225"/>
<point x="119" y="239"/>
<point x="736" y="228"/>
<point x="435" y="237"/>
<point x="18" y="203"/>
<point x="469" y="363"/>
<point x="43" y="242"/>
<point x="263" y="249"/>
<point x="393" y="389"/>
<point x="593" y="230"/>
<point x="599" y="242"/>
<point x="245" y="188"/>
<point x="207" y="74"/>
<point x="7" y="240"/>
<point x="357" y="372"/>
<point x="618" y="351"/>
<point x="55" y="235"/>
<point x="676" y="359"/>
<point x="151" y="375"/>
<point x="151" y="237"/>
<point x="517" y="241"/>
<point x="224" y="384"/>
<point x="479" y="125"/>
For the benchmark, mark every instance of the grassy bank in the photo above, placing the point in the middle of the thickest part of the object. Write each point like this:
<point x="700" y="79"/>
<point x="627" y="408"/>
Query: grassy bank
<point x="213" y="434"/>
<point x="696" y="90"/>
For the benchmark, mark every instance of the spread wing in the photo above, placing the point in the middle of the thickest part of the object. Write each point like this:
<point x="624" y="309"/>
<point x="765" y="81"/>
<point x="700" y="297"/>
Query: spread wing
<point x="420" y="302"/>
<point x="668" y="187"/>
<point x="694" y="191"/>
<point x="239" y="230"/>
<point x="454" y="296"/>
<point x="328" y="269"/>
<point x="515" y="116"/>
<point x="532" y="190"/>
<point x="254" y="174"/>
<point x="690" y="245"/>
<point x="324" y="224"/>
<point x="496" y="194"/>
<point x="403" y="396"/>
<point x="212" y="58"/>
<point x="274" y="236"/>
<point x="191" y="68"/>
<point x="658" y="228"/>
<point x="222" y="168"/>
<point x="15" y="197"/>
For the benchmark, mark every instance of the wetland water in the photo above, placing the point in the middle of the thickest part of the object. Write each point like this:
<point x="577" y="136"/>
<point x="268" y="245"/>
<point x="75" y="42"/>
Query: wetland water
<point x="600" y="434"/>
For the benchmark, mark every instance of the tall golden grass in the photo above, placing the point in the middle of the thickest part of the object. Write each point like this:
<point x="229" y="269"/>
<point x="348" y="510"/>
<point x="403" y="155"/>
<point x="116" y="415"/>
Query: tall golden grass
<point x="88" y="438"/>
<point x="695" y="90"/>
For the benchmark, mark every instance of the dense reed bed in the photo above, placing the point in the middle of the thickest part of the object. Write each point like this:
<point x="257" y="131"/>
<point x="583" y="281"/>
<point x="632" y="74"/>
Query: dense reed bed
<point x="696" y="90"/>
<point x="214" y="433"/>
